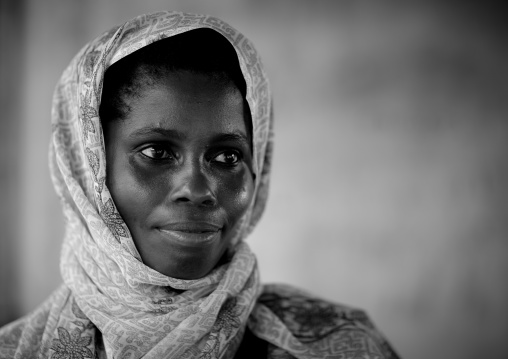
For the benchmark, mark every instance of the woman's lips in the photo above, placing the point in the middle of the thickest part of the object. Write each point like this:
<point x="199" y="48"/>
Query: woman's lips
<point x="191" y="233"/>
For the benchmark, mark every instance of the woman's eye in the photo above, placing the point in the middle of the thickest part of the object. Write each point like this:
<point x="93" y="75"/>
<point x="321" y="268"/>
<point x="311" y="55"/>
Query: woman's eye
<point x="228" y="157"/>
<point x="156" y="153"/>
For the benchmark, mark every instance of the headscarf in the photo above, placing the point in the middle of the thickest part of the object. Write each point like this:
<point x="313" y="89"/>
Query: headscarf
<point x="157" y="316"/>
<point x="111" y="303"/>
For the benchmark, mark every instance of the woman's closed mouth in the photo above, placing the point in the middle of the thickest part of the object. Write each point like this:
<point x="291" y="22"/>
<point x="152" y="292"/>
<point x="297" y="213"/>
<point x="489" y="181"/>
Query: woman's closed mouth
<point x="191" y="233"/>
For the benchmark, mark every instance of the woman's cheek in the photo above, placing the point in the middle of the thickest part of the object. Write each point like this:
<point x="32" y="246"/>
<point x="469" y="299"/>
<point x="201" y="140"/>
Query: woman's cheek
<point x="133" y="193"/>
<point x="241" y="193"/>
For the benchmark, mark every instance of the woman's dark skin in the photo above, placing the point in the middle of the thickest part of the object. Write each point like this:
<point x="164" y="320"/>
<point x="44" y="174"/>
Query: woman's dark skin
<point x="179" y="168"/>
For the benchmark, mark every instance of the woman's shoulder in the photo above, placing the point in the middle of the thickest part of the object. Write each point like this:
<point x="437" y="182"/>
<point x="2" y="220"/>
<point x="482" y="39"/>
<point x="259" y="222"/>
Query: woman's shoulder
<point x="24" y="337"/>
<point x="10" y="335"/>
<point x="317" y="322"/>
<point x="310" y="316"/>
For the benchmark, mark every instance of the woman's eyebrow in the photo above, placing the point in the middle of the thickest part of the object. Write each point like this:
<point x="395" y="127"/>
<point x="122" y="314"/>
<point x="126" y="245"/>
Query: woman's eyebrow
<point x="171" y="133"/>
<point x="231" y="136"/>
<point x="166" y="132"/>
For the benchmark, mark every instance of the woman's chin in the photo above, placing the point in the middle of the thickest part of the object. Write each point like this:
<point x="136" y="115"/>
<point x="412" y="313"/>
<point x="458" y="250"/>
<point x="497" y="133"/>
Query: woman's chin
<point x="187" y="267"/>
<point x="192" y="272"/>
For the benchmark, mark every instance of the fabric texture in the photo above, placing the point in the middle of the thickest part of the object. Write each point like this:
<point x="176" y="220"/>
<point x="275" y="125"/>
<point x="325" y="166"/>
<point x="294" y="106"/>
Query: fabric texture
<point x="111" y="304"/>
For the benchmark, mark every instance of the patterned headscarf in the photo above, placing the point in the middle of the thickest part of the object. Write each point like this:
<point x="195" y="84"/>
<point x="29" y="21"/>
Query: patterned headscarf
<point x="111" y="303"/>
<point x="139" y="311"/>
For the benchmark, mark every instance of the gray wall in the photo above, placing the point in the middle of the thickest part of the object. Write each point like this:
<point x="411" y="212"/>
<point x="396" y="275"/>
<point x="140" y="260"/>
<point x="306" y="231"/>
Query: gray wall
<point x="390" y="171"/>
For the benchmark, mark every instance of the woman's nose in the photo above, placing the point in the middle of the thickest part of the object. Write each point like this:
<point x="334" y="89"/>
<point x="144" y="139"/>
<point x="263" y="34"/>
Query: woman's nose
<point x="191" y="185"/>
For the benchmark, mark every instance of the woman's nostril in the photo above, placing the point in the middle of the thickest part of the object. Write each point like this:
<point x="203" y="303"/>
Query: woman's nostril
<point x="188" y="195"/>
<point x="208" y="202"/>
<point x="198" y="201"/>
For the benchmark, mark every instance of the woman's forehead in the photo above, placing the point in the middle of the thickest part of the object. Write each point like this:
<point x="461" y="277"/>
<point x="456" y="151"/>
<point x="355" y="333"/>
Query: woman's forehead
<point x="189" y="103"/>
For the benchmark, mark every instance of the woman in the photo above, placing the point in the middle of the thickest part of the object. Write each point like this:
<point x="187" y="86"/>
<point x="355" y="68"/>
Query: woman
<point x="161" y="154"/>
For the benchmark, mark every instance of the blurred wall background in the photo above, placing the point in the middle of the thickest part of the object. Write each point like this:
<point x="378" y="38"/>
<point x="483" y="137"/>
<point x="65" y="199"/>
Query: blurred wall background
<point x="390" y="170"/>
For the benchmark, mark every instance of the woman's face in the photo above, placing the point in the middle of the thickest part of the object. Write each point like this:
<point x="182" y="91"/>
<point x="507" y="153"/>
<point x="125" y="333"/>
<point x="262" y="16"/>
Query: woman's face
<point x="179" y="168"/>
